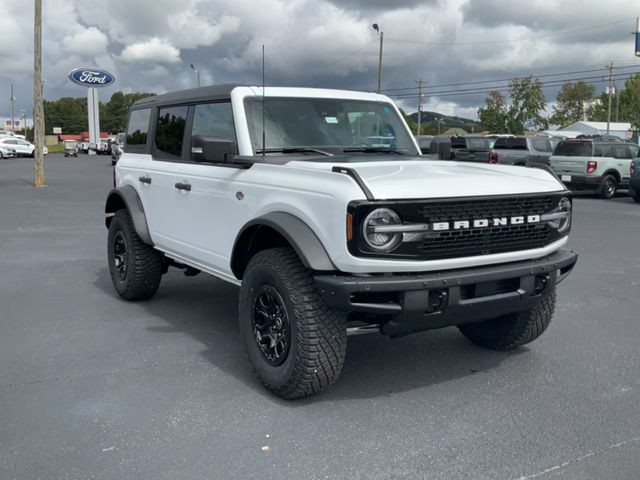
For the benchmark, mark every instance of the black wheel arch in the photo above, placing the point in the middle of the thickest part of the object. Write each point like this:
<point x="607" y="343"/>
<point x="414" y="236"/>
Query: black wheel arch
<point x="278" y="229"/>
<point x="127" y="198"/>
<point x="614" y="173"/>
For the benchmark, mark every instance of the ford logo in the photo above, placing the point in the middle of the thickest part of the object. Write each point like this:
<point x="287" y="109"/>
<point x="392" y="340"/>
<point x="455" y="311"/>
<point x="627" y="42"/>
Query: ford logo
<point x="91" y="77"/>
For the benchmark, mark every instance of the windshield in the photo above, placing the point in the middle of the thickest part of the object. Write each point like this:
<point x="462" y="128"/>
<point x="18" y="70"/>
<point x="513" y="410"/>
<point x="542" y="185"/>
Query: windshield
<point x="328" y="124"/>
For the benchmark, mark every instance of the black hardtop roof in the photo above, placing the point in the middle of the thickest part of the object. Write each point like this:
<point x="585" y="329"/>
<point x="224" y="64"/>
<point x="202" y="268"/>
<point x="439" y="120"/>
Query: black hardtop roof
<point x="213" y="92"/>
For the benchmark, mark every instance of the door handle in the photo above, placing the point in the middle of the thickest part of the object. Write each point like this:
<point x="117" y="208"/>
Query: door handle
<point x="145" y="179"/>
<point x="183" y="186"/>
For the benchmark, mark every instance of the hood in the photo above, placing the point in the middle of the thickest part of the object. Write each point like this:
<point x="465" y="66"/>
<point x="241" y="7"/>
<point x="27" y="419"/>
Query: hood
<point x="406" y="179"/>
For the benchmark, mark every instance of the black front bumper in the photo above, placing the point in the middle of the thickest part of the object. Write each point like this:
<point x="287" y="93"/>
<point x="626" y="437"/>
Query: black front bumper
<point x="414" y="302"/>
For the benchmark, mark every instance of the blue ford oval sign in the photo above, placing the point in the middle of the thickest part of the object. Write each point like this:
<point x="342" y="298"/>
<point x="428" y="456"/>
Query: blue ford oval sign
<point x="91" y="77"/>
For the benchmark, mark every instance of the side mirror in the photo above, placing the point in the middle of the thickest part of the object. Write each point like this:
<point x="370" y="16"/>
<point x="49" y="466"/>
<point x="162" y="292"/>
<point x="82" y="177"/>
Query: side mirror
<point x="207" y="148"/>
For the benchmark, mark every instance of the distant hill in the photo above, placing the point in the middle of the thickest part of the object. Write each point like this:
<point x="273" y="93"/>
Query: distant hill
<point x="430" y="122"/>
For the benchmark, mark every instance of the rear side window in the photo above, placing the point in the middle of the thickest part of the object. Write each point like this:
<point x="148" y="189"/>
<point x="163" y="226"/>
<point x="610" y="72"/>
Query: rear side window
<point x="574" y="149"/>
<point x="620" y="151"/>
<point x="138" y="127"/>
<point x="170" y="131"/>
<point x="510" y="143"/>
<point x="541" y="144"/>
<point x="599" y="149"/>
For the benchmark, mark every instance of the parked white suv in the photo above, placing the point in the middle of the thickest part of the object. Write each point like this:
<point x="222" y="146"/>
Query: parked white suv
<point x="317" y="204"/>
<point x="22" y="147"/>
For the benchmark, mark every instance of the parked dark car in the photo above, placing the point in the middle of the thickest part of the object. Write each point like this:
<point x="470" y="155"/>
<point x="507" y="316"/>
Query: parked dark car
<point x="471" y="148"/>
<point x="440" y="147"/>
<point x="520" y="150"/>
<point x="424" y="142"/>
<point x="634" y="183"/>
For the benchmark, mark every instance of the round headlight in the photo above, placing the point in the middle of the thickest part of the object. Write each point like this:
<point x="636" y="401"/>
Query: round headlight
<point x="562" y="224"/>
<point x="374" y="233"/>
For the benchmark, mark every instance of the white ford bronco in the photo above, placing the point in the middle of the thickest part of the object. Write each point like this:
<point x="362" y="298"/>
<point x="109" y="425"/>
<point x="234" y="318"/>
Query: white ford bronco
<point x="317" y="204"/>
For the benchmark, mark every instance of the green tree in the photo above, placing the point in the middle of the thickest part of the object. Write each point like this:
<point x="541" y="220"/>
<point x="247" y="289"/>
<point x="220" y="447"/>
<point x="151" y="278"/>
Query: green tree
<point x="71" y="113"/>
<point x="493" y="116"/>
<point x="629" y="109"/>
<point x="113" y="114"/>
<point x="597" y="109"/>
<point x="68" y="113"/>
<point x="527" y="105"/>
<point x="571" y="101"/>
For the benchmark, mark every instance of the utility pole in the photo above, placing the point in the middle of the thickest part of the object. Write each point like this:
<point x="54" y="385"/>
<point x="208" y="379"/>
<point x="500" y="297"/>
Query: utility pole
<point x="38" y="109"/>
<point x="13" y="99"/>
<point x="610" y="92"/>
<point x="617" y="94"/>
<point x="381" y="34"/>
<point x="420" y="83"/>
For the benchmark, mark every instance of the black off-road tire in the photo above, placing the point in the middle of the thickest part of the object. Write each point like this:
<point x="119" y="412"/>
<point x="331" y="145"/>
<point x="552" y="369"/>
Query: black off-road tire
<point x="636" y="196"/>
<point x="512" y="330"/>
<point x="318" y="335"/>
<point x="609" y="187"/>
<point x="143" y="266"/>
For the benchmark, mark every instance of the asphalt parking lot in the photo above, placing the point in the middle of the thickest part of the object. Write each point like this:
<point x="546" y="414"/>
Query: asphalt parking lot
<point x="94" y="387"/>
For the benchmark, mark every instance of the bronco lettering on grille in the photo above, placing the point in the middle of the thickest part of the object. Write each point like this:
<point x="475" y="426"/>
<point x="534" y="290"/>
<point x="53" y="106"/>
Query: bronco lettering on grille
<point x="485" y="223"/>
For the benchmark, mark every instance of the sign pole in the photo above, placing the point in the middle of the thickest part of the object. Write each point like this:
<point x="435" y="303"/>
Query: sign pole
<point x="93" y="108"/>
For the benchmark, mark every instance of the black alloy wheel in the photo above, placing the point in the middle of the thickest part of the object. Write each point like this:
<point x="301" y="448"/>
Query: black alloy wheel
<point x="271" y="326"/>
<point x="609" y="187"/>
<point x="120" y="255"/>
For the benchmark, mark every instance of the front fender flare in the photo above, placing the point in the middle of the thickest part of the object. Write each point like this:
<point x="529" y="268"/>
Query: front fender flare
<point x="127" y="197"/>
<point x="296" y="232"/>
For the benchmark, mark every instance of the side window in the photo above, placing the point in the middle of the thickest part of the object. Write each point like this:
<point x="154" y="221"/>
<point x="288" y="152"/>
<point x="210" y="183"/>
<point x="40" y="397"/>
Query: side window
<point x="634" y="150"/>
<point x="170" y="131"/>
<point x="138" y="127"/>
<point x="601" y="150"/>
<point x="621" y="151"/>
<point x="212" y="120"/>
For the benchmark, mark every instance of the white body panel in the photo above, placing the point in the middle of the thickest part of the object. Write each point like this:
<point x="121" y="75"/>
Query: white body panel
<point x="200" y="227"/>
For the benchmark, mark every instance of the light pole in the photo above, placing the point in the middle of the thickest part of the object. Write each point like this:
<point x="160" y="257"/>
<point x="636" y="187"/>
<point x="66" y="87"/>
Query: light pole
<point x="381" y="35"/>
<point x="193" y="67"/>
<point x="13" y="99"/>
<point x="24" y="120"/>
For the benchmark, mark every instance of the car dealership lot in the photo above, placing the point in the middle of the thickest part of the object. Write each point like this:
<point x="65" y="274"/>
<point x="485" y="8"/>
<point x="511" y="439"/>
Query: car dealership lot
<point x="95" y="387"/>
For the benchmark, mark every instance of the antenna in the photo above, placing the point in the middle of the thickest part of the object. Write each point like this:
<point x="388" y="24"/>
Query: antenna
<point x="263" y="106"/>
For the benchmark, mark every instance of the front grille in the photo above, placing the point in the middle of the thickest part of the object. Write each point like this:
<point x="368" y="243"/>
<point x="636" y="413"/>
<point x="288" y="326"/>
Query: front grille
<point x="467" y="242"/>
<point x="484" y="241"/>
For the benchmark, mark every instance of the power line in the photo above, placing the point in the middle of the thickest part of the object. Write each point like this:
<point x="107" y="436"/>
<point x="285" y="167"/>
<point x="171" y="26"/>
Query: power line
<point x="523" y="39"/>
<point x="511" y="78"/>
<point x="344" y="57"/>
<point x="490" y="88"/>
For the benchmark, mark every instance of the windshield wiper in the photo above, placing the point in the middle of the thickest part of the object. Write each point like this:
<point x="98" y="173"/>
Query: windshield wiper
<point x="294" y="150"/>
<point x="372" y="150"/>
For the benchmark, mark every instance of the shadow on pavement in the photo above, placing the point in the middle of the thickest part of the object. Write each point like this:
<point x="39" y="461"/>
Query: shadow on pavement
<point x="206" y="309"/>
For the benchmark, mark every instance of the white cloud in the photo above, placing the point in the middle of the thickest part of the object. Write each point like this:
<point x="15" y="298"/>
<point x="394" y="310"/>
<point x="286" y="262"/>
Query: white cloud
<point x="191" y="30"/>
<point x="149" y="44"/>
<point x="154" y="50"/>
<point x="86" y="42"/>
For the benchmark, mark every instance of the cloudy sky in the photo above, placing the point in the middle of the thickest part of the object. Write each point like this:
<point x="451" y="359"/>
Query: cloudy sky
<point x="149" y="44"/>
